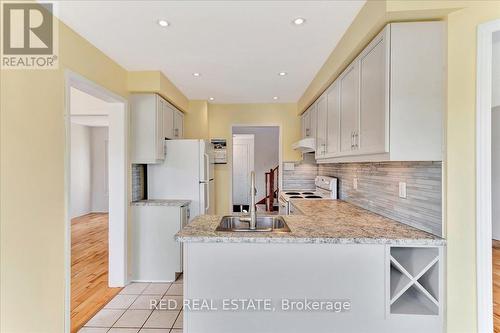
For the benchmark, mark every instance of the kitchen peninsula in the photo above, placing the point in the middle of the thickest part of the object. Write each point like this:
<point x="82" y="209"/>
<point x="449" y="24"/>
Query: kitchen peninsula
<point x="391" y="274"/>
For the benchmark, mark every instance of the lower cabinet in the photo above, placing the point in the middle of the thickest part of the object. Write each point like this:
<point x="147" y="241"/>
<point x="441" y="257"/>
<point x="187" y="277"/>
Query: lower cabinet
<point x="156" y="255"/>
<point x="390" y="288"/>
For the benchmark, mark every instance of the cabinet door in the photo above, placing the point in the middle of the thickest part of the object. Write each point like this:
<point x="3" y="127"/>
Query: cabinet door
<point x="333" y="120"/>
<point x="321" y="128"/>
<point x="160" y="137"/>
<point x="178" y="123"/>
<point x="306" y="119"/>
<point x="303" y="125"/>
<point x="312" y="121"/>
<point x="349" y="108"/>
<point x="168" y="121"/>
<point x="181" y="125"/>
<point x="374" y="97"/>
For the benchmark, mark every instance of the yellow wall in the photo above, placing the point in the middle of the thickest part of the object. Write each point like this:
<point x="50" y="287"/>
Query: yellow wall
<point x="155" y="81"/>
<point x="460" y="164"/>
<point x="32" y="189"/>
<point x="222" y="116"/>
<point x="462" y="19"/>
<point x="196" y="120"/>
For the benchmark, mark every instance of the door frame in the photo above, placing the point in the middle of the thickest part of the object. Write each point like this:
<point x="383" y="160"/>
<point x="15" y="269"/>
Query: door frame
<point x="119" y="184"/>
<point x="483" y="176"/>
<point x="230" y="159"/>
<point x="248" y="137"/>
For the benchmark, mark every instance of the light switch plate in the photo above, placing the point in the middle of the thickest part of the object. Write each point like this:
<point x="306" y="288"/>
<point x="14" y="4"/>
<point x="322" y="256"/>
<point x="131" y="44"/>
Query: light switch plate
<point x="402" y="190"/>
<point x="288" y="166"/>
<point x="355" y="183"/>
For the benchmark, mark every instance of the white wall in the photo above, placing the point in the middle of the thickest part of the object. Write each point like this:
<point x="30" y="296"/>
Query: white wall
<point x="99" y="169"/>
<point x="266" y="152"/>
<point x="89" y="180"/>
<point x="80" y="170"/>
<point x="495" y="138"/>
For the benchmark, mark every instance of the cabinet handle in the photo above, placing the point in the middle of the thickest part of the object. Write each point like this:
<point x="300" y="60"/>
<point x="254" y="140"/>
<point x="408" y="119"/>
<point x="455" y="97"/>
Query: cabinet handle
<point x="307" y="131"/>
<point x="356" y="139"/>
<point x="352" y="140"/>
<point x="176" y="132"/>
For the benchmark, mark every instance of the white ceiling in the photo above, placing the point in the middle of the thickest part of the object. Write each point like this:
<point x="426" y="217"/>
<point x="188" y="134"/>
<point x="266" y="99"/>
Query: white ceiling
<point x="239" y="47"/>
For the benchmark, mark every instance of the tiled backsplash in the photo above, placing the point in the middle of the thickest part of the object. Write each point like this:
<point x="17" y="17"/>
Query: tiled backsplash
<point x="302" y="177"/>
<point x="378" y="190"/>
<point x="138" y="182"/>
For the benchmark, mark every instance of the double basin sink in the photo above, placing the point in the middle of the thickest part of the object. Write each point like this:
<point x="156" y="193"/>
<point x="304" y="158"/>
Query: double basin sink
<point x="263" y="224"/>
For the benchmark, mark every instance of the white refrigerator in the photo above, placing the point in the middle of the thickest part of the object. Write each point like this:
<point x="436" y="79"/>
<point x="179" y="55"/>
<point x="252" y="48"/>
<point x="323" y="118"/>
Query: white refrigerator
<point x="186" y="173"/>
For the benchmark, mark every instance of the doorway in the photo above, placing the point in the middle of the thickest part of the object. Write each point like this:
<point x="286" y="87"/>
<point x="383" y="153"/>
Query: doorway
<point x="487" y="176"/>
<point x="256" y="148"/>
<point x="96" y="196"/>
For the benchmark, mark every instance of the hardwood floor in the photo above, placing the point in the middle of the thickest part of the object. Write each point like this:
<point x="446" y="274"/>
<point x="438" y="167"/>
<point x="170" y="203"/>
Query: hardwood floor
<point x="89" y="268"/>
<point x="496" y="285"/>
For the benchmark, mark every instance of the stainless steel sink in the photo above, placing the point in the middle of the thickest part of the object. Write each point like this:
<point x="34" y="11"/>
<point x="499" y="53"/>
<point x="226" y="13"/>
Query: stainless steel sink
<point x="264" y="224"/>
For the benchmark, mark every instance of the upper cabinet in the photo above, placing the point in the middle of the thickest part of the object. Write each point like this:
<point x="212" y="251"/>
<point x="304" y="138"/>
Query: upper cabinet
<point x="388" y="103"/>
<point x="308" y="122"/>
<point x="152" y="120"/>
<point x="178" y="119"/>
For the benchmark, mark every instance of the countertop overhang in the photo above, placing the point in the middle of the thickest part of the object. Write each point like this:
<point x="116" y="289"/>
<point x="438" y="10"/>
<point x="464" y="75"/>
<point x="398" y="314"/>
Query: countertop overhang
<point x="323" y="221"/>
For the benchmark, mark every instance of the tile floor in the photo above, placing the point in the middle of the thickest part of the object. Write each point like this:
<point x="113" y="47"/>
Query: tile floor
<point x="131" y="311"/>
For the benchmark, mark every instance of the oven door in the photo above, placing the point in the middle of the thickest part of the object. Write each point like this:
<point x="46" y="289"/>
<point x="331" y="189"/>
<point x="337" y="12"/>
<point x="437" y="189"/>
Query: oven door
<point x="283" y="210"/>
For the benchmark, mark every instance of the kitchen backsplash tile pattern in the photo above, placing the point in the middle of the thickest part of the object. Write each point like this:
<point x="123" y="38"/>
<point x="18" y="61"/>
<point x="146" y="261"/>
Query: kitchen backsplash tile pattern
<point x="302" y="177"/>
<point x="378" y="190"/>
<point x="138" y="182"/>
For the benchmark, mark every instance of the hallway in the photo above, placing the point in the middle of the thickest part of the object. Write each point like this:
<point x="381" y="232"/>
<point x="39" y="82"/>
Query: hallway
<point x="89" y="267"/>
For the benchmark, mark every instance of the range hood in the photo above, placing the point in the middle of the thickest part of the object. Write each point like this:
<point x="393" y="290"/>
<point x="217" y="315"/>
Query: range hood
<point x="307" y="145"/>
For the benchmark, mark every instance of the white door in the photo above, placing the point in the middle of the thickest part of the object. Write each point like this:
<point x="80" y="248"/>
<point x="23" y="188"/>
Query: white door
<point x="243" y="164"/>
<point x="321" y="121"/>
<point x="349" y="108"/>
<point x="374" y="97"/>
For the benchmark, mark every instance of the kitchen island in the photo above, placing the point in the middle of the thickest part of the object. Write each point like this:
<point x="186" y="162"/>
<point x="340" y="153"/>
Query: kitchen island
<point x="340" y="269"/>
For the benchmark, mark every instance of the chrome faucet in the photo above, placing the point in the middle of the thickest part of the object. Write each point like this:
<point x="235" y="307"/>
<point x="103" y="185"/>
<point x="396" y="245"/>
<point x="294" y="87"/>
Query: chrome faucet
<point x="252" y="217"/>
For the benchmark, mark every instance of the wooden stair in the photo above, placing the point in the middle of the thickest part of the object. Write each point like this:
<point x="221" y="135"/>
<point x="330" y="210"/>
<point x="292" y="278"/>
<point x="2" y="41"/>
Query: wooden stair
<point x="272" y="190"/>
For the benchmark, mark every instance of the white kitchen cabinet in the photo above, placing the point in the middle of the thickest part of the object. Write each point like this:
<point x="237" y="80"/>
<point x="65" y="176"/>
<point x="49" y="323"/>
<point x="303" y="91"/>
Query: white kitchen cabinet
<point x="390" y="100"/>
<point x="374" y="96"/>
<point x="156" y="256"/>
<point x="333" y="121"/>
<point x="321" y="125"/>
<point x="168" y="120"/>
<point x="178" y="124"/>
<point x="309" y="122"/>
<point x="349" y="109"/>
<point x="146" y="125"/>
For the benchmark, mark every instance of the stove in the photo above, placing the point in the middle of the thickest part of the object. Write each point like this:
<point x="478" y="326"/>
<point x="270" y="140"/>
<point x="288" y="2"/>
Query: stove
<point x="326" y="188"/>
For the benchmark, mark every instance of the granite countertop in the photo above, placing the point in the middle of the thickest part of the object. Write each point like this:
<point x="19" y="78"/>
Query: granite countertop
<point x="322" y="221"/>
<point x="161" y="202"/>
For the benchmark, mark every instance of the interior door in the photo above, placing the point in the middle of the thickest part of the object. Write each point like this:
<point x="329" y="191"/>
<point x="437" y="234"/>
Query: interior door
<point x="243" y="164"/>
<point x="374" y="97"/>
<point x="349" y="108"/>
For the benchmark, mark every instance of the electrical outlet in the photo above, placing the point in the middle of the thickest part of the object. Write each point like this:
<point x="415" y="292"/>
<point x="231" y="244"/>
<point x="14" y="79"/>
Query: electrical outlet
<point x="402" y="190"/>
<point x="355" y="183"/>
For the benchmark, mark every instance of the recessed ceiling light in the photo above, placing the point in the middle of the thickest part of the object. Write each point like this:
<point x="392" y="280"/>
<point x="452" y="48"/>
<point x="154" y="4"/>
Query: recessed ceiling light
<point x="196" y="74"/>
<point x="299" y="21"/>
<point x="211" y="98"/>
<point x="163" y="23"/>
<point x="282" y="73"/>
<point x="275" y="97"/>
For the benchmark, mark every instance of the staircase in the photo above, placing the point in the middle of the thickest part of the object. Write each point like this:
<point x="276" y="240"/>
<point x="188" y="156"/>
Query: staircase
<point x="272" y="190"/>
